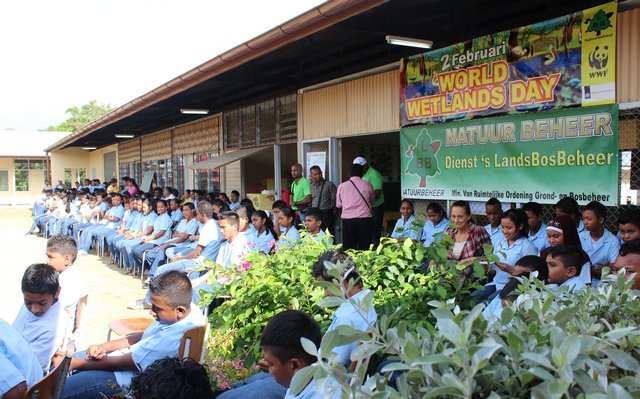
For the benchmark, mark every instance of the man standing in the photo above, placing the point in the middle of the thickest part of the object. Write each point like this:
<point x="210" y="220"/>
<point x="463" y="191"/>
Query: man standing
<point x="374" y="178"/>
<point x="323" y="193"/>
<point x="300" y="190"/>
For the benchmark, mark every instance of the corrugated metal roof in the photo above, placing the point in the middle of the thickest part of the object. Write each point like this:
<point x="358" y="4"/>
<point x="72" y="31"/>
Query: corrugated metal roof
<point x="26" y="143"/>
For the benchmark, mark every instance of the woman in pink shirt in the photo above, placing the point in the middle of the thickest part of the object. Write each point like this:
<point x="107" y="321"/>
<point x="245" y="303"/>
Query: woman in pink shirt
<point x="132" y="188"/>
<point x="355" y="197"/>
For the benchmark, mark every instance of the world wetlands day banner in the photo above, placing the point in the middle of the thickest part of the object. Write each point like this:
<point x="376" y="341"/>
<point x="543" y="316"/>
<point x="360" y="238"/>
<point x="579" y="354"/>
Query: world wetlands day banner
<point x="562" y="62"/>
<point x="538" y="157"/>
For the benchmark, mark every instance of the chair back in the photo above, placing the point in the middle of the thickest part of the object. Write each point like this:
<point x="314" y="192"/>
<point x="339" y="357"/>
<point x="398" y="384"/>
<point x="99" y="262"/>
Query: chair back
<point x="50" y="387"/>
<point x="192" y="344"/>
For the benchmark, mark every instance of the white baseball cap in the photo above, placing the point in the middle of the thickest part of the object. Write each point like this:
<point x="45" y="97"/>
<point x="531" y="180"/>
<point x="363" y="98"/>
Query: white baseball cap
<point x="359" y="161"/>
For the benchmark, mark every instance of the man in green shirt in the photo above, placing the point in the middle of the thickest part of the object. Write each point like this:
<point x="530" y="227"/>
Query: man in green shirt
<point x="374" y="178"/>
<point x="300" y="190"/>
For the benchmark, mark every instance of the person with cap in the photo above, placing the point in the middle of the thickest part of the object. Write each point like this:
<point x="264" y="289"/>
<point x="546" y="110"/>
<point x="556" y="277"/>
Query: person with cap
<point x="373" y="177"/>
<point x="300" y="190"/>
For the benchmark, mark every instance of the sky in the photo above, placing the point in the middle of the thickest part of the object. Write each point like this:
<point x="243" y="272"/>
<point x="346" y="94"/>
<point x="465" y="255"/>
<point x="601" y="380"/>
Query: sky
<point x="57" y="54"/>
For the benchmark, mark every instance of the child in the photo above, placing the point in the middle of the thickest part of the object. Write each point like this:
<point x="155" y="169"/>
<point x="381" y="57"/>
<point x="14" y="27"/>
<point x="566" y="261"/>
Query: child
<point x="61" y="255"/>
<point x="235" y="200"/>
<point x="524" y="266"/>
<point x="629" y="225"/>
<point x="568" y="206"/>
<point x="629" y="259"/>
<point x="313" y="225"/>
<point x="276" y="210"/>
<point x="509" y="250"/>
<point x="537" y="229"/>
<point x="172" y="378"/>
<point x="348" y="313"/>
<point x="564" y="264"/>
<point x="493" y="210"/>
<point x="40" y="320"/>
<point x="598" y="242"/>
<point x="176" y="212"/>
<point x="19" y="367"/>
<point x="104" y="372"/>
<point x="289" y="235"/>
<point x="263" y="236"/>
<point x="436" y="223"/>
<point x="404" y="227"/>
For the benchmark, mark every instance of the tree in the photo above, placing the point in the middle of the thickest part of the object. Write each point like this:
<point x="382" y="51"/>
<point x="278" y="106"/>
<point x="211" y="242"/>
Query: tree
<point x="80" y="116"/>
<point x="422" y="157"/>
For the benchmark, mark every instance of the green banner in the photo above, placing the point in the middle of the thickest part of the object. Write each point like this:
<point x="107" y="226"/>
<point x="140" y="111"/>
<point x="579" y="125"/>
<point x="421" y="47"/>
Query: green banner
<point x="538" y="157"/>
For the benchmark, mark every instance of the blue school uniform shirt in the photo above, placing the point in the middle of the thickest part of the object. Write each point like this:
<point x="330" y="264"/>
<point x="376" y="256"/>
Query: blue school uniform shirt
<point x="136" y="221"/>
<point x="429" y="231"/>
<point x="510" y="254"/>
<point x="148" y="220"/>
<point x="604" y="250"/>
<point x="162" y="222"/>
<point x="158" y="341"/>
<point x="262" y="242"/>
<point x="116" y="211"/>
<point x="176" y="216"/>
<point x="103" y="206"/>
<point x="289" y="238"/>
<point x="574" y="283"/>
<point x="187" y="226"/>
<point x="539" y="239"/>
<point x="406" y="229"/>
<point x="495" y="233"/>
<point x="18" y="363"/>
<point x="348" y="315"/>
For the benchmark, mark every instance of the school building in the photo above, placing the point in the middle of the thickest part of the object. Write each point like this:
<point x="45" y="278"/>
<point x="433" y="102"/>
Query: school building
<point x="24" y="165"/>
<point x="318" y="89"/>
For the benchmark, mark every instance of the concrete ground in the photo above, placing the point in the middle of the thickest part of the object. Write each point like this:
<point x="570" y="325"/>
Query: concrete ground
<point x="109" y="289"/>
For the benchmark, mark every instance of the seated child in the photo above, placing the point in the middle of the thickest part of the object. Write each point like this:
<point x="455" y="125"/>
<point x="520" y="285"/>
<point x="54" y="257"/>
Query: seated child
<point x="104" y="372"/>
<point x="289" y="235"/>
<point x="629" y="225"/>
<point x="263" y="237"/>
<point x="598" y="242"/>
<point x="313" y="225"/>
<point x="564" y="264"/>
<point x="435" y="224"/>
<point x="61" y="255"/>
<point x="404" y="227"/>
<point x="172" y="378"/>
<point x="19" y="366"/>
<point x="629" y="259"/>
<point x="40" y="320"/>
<point x="493" y="210"/>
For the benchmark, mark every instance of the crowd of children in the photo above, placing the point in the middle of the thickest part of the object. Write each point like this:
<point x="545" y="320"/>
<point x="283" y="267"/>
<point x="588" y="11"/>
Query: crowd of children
<point x="172" y="237"/>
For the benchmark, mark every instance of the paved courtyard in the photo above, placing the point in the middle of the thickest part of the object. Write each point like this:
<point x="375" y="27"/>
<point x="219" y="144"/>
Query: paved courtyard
<point x="109" y="290"/>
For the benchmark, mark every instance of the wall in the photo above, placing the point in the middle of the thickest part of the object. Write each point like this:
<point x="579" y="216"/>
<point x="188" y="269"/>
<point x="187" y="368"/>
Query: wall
<point x="628" y="48"/>
<point x="361" y="106"/>
<point x="68" y="158"/>
<point x="12" y="197"/>
<point x="96" y="161"/>
<point x="233" y="178"/>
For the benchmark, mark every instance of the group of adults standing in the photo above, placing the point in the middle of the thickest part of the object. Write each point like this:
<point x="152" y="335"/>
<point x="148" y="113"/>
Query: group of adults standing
<point x="358" y="202"/>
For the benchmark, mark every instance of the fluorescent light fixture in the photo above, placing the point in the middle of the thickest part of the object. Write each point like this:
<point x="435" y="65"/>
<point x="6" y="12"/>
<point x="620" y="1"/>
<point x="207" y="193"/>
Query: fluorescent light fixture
<point x="125" y="136"/>
<point x="408" y="41"/>
<point x="89" y="148"/>
<point x="194" y="111"/>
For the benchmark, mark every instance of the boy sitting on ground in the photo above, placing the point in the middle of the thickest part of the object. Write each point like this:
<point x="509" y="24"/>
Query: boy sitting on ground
<point x="565" y="263"/>
<point x="40" y="320"/>
<point x="105" y="371"/>
<point x="61" y="255"/>
<point x="172" y="378"/>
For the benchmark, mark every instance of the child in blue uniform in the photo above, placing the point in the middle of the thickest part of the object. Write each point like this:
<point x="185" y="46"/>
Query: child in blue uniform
<point x="405" y="226"/>
<point x="598" y="242"/>
<point x="436" y="223"/>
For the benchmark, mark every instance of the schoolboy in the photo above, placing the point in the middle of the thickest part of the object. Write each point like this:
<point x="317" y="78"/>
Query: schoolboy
<point x="629" y="225"/>
<point x="40" y="320"/>
<point x="172" y="378"/>
<point x="493" y="210"/>
<point x="598" y="242"/>
<point x="102" y="371"/>
<point x="61" y="255"/>
<point x="19" y="367"/>
<point x="565" y="264"/>
<point x="313" y="225"/>
<point x="537" y="229"/>
<point x="629" y="259"/>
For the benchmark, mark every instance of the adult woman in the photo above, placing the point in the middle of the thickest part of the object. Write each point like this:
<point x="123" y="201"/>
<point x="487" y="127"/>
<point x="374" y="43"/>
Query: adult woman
<point x="562" y="230"/>
<point x="355" y="198"/>
<point x="467" y="236"/>
<point x="436" y="223"/>
<point x="133" y="188"/>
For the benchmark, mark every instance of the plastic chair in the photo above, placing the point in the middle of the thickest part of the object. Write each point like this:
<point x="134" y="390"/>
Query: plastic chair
<point x="50" y="387"/>
<point x="124" y="327"/>
<point x="192" y="344"/>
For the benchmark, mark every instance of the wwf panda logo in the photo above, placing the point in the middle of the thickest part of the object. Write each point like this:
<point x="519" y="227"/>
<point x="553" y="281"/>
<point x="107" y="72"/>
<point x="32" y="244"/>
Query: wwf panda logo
<point x="598" y="58"/>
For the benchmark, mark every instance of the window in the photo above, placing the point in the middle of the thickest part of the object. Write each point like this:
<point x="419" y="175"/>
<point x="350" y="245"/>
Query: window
<point x="4" y="180"/>
<point x="232" y="129"/>
<point x="287" y="111"/>
<point x="267" y="122"/>
<point x="249" y="128"/>
<point x="21" y="172"/>
<point x="206" y="179"/>
<point x="178" y="172"/>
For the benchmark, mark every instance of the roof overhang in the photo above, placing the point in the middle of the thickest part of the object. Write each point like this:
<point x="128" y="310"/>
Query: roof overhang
<point x="338" y="38"/>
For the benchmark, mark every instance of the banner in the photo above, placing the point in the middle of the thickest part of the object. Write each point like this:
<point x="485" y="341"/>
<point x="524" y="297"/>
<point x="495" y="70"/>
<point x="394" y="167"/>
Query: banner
<point x="538" y="157"/>
<point x="558" y="63"/>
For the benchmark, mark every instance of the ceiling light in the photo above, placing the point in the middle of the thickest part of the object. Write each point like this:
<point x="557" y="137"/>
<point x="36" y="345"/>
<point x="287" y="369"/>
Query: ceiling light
<point x="89" y="148"/>
<point x="125" y="136"/>
<point x="194" y="111"/>
<point x="408" y="41"/>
